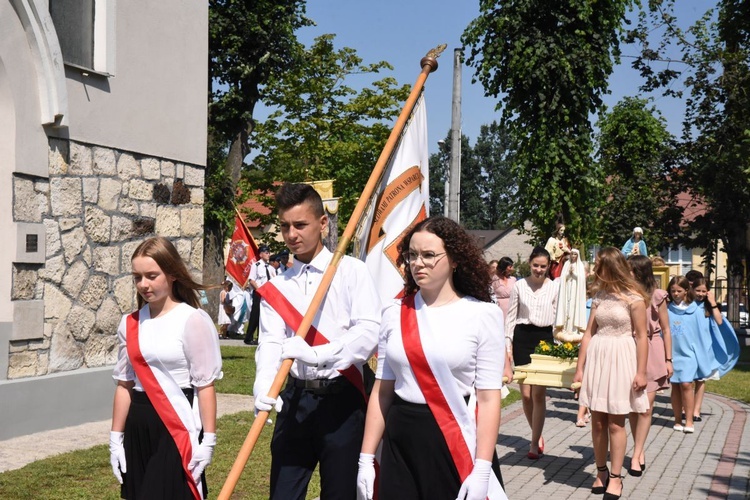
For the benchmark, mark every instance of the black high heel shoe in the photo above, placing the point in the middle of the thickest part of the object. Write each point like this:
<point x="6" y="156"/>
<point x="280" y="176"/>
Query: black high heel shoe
<point x="598" y="490"/>
<point x="612" y="496"/>
<point x="636" y="473"/>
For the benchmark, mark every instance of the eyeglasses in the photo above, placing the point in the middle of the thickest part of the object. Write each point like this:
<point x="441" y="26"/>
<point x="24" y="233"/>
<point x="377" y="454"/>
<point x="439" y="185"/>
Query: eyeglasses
<point x="429" y="259"/>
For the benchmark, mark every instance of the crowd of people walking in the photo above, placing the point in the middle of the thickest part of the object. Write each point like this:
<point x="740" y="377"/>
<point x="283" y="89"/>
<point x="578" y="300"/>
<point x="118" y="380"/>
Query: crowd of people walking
<point x="428" y="425"/>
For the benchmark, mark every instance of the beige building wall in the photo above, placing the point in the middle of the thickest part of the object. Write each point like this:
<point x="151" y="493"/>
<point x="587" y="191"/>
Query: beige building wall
<point x="149" y="106"/>
<point x="91" y="164"/>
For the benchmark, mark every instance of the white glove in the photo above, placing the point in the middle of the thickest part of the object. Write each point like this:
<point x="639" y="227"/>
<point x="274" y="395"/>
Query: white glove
<point x="477" y="484"/>
<point x="117" y="454"/>
<point x="296" y="348"/>
<point x="202" y="455"/>
<point x="262" y="401"/>
<point x="366" y="477"/>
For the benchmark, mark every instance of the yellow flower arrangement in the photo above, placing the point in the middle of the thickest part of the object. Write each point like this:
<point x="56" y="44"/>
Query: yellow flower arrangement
<point x="565" y="350"/>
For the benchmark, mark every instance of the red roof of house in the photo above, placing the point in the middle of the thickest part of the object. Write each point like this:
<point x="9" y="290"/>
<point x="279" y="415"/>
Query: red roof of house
<point x="252" y="204"/>
<point x="692" y="205"/>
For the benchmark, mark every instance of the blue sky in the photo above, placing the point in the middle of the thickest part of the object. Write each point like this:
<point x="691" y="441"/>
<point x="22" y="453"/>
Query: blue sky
<point x="401" y="32"/>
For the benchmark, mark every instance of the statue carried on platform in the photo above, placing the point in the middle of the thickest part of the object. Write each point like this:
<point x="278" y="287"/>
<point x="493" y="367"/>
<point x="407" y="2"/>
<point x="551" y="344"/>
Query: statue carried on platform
<point x="570" y="316"/>
<point x="558" y="247"/>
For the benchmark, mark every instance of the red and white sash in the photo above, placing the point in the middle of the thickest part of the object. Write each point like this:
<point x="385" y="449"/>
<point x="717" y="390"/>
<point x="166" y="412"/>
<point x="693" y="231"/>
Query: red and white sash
<point x="293" y="318"/>
<point x="166" y="396"/>
<point x="447" y="404"/>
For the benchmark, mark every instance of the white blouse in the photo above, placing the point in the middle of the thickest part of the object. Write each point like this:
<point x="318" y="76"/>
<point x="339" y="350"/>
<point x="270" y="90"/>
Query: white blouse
<point x="527" y="307"/>
<point x="184" y="340"/>
<point x="470" y="334"/>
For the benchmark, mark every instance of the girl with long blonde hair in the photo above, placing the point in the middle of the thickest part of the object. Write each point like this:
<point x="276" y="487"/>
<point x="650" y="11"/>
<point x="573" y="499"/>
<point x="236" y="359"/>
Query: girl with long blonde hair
<point x="611" y="367"/>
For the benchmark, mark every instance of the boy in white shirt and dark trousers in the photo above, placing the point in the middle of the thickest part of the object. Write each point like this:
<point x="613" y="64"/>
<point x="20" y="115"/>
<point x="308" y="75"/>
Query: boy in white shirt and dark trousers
<point x="322" y="408"/>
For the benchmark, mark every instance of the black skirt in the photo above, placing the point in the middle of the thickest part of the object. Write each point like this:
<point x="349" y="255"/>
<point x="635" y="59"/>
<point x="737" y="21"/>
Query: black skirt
<point x="525" y="340"/>
<point x="416" y="462"/>
<point x="154" y="466"/>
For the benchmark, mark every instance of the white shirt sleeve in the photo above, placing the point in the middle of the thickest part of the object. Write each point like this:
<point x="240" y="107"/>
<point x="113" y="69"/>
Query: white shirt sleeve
<point x="491" y="351"/>
<point x="201" y="347"/>
<point x="123" y="370"/>
<point x="358" y="342"/>
<point x="253" y="272"/>
<point x="391" y="317"/>
<point x="271" y="334"/>
<point x="510" y="321"/>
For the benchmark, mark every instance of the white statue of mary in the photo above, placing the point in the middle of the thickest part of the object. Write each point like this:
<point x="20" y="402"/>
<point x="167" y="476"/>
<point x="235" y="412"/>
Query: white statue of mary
<point x="570" y="318"/>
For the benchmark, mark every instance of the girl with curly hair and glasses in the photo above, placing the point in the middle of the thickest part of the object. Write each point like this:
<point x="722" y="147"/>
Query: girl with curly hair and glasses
<point x="440" y="358"/>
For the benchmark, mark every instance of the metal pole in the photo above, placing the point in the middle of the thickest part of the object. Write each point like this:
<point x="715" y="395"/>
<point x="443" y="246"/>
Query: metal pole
<point x="455" y="175"/>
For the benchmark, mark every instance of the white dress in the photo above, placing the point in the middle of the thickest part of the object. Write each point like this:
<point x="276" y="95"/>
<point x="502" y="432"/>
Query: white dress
<point x="223" y="317"/>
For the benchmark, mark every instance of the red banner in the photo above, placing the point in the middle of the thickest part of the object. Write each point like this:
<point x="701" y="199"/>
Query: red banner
<point x="243" y="252"/>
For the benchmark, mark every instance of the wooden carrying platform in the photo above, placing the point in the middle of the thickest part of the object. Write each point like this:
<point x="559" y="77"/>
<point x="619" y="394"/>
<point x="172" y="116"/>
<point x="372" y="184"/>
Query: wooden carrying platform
<point x="548" y="371"/>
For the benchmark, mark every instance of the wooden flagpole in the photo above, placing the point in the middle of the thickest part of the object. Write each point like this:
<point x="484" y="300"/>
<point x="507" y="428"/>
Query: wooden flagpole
<point x="428" y="65"/>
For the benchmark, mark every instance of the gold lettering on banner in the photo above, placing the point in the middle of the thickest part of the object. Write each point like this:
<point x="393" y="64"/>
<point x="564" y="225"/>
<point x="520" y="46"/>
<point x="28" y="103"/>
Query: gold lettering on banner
<point x="391" y="251"/>
<point x="395" y="192"/>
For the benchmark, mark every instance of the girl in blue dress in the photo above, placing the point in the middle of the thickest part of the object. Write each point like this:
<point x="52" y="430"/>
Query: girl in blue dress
<point x="692" y="351"/>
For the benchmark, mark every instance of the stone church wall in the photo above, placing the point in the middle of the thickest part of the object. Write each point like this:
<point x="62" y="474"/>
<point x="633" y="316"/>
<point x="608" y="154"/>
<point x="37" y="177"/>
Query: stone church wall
<point x="97" y="206"/>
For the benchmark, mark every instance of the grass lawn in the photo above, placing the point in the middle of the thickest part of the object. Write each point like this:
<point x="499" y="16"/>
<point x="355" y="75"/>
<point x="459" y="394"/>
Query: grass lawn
<point x="239" y="370"/>
<point x="735" y="384"/>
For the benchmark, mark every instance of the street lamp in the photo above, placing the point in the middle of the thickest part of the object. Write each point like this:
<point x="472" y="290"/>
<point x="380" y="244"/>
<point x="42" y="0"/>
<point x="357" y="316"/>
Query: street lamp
<point x="446" y="169"/>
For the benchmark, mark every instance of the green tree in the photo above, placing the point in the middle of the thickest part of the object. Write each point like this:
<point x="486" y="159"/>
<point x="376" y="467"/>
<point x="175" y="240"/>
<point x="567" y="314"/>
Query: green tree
<point x="716" y="129"/>
<point x="439" y="171"/>
<point x="486" y="182"/>
<point x="493" y="153"/>
<point x="249" y="41"/>
<point x="634" y="152"/>
<point x="470" y="204"/>
<point x="473" y="210"/>
<point x="322" y="128"/>
<point x="550" y="62"/>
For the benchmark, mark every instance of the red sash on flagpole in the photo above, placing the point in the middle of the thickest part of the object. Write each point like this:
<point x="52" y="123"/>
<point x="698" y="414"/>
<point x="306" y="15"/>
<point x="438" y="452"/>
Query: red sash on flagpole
<point x="431" y="390"/>
<point x="293" y="318"/>
<point x="159" y="399"/>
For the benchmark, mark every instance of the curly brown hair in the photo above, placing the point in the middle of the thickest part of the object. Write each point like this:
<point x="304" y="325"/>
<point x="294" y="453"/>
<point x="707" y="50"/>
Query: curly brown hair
<point x="472" y="272"/>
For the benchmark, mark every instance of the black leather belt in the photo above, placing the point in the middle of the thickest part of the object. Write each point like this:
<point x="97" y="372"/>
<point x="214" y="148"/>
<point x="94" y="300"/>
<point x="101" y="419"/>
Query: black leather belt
<point x="320" y="386"/>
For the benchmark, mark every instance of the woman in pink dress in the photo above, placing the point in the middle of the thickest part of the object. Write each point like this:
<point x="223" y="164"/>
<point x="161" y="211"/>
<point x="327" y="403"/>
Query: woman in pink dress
<point x="659" y="366"/>
<point x="503" y="282"/>
<point x="611" y="367"/>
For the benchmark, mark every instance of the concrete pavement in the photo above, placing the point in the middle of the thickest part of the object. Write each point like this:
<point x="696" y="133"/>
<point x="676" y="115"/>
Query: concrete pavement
<point x="714" y="462"/>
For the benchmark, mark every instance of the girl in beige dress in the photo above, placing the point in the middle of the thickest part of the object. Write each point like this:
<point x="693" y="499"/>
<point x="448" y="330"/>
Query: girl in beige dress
<point x="611" y="367"/>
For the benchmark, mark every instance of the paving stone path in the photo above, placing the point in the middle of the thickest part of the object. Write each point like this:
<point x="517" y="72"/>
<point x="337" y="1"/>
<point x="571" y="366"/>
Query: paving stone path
<point x="714" y="462"/>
